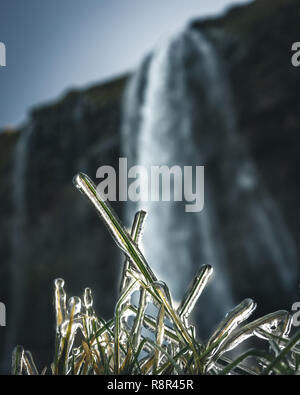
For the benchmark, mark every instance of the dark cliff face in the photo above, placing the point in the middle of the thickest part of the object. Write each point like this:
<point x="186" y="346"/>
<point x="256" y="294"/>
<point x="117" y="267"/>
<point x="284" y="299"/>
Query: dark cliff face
<point x="48" y="230"/>
<point x="256" y="48"/>
<point x="255" y="43"/>
<point x="8" y="141"/>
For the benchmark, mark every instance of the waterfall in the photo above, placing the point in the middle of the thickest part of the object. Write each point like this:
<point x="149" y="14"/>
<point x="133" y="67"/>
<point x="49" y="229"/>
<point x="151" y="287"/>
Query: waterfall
<point x="165" y="137"/>
<point x="178" y="110"/>
<point x="158" y="146"/>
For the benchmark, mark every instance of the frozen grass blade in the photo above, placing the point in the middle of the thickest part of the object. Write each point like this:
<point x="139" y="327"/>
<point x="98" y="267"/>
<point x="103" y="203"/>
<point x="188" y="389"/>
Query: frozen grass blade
<point x="136" y="233"/>
<point x="17" y="360"/>
<point x="86" y="186"/>
<point x="194" y="292"/>
<point x="135" y="342"/>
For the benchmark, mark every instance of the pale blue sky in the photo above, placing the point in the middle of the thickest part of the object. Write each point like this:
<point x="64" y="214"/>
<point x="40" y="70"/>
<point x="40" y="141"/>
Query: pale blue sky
<point x="53" y="45"/>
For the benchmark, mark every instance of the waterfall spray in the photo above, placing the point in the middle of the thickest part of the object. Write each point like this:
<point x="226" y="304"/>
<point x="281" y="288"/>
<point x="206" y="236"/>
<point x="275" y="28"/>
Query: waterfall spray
<point x="178" y="110"/>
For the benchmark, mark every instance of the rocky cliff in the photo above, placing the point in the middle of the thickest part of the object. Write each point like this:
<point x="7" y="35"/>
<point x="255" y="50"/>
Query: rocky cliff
<point x="48" y="230"/>
<point x="255" y="42"/>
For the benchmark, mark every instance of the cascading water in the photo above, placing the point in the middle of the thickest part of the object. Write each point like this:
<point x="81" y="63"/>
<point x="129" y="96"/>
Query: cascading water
<point x="178" y="111"/>
<point x="165" y="137"/>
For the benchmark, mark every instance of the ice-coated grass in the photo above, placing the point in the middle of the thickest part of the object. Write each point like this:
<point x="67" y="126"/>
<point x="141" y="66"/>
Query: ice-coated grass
<point x="163" y="342"/>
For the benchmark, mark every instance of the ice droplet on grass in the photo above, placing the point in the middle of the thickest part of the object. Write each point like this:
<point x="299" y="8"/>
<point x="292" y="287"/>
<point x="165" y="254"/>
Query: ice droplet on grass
<point x="75" y="305"/>
<point x="88" y="298"/>
<point x="60" y="302"/>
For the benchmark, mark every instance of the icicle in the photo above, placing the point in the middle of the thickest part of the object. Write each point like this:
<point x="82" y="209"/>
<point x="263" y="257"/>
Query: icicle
<point x="60" y="302"/>
<point x="163" y="290"/>
<point x="88" y="298"/>
<point x="232" y="319"/>
<point x="136" y="234"/>
<point x="194" y="292"/>
<point x="138" y="322"/>
<point x="74" y="305"/>
<point x="17" y="360"/>
<point x="29" y="365"/>
<point x="268" y="323"/>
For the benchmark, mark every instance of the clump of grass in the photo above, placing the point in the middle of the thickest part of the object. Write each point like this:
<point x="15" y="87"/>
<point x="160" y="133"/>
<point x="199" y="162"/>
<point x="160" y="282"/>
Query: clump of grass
<point x="147" y="334"/>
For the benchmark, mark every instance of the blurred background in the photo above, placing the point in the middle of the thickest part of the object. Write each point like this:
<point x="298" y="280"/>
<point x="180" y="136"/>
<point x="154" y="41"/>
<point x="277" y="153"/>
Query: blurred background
<point x="188" y="83"/>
